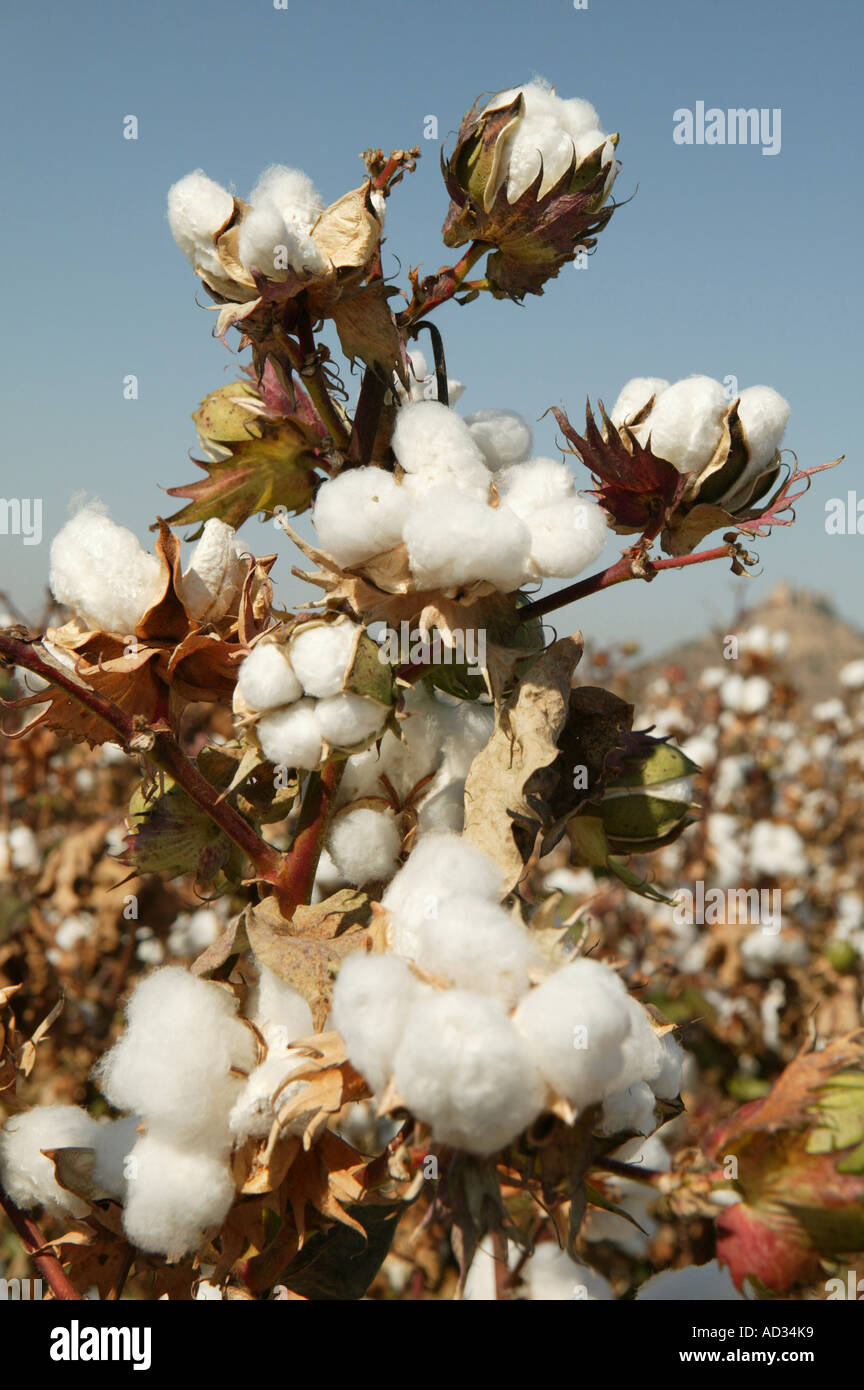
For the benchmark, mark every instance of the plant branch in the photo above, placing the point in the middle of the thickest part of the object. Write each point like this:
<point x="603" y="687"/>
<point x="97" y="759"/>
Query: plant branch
<point x="437" y="289"/>
<point x="306" y="361"/>
<point x="301" y="862"/>
<point x="34" y="1243"/>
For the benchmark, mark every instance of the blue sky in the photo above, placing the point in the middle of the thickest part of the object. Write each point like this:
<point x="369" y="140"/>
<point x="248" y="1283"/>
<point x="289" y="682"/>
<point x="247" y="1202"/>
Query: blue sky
<point x="726" y="261"/>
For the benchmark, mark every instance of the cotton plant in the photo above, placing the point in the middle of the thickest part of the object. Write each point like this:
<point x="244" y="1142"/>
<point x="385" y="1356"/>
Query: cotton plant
<point x="365" y="825"/>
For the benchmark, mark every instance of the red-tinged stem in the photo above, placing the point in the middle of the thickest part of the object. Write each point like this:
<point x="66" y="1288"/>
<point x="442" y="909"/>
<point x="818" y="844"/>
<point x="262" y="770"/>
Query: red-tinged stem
<point x="618" y="573"/>
<point x="162" y="748"/>
<point x="33" y="1241"/>
<point x="444" y="285"/>
<point x="370" y="403"/>
<point x="307" y="365"/>
<point x="301" y="862"/>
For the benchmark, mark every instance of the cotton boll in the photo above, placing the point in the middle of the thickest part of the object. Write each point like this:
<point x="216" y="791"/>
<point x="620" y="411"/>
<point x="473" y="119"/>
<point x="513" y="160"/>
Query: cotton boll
<point x="429" y="435"/>
<point x="278" y="1010"/>
<point x="372" y="999"/>
<point x="290" y="737"/>
<point x="112" y="1143"/>
<point x="851" y="676"/>
<point x="266" y="678"/>
<point x="527" y="488"/>
<point x="763" y="951"/>
<point x="212" y="582"/>
<point x="642" y="1053"/>
<point x="575" y="1024"/>
<point x="439" y="866"/>
<point x="346" y="720"/>
<point x="631" y="1109"/>
<point x="539" y="140"/>
<point x="567" y="537"/>
<point x="478" y="946"/>
<point x="19" y="849"/>
<point x="466" y="728"/>
<point x="695" y="1284"/>
<point x="291" y="191"/>
<point x="745" y="694"/>
<point x="198" y="208"/>
<point x="462" y="1068"/>
<point x="634" y="396"/>
<point x="173" y="1196"/>
<point x="454" y="540"/>
<point x="503" y="436"/>
<point x="264" y="1094"/>
<point x="686" y="422"/>
<point x="764" y="414"/>
<point x="359" y="514"/>
<point x="321" y="656"/>
<point x="776" y="850"/>
<point x="265" y="244"/>
<point x="100" y="570"/>
<point x="551" y="1276"/>
<point x="25" y="1172"/>
<point x="442" y="809"/>
<point x="666" y="1085"/>
<point x="365" y="845"/>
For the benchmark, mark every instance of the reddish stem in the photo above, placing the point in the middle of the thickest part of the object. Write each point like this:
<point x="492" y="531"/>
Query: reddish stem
<point x="618" y="573"/>
<point x="301" y="862"/>
<point x="33" y="1241"/>
<point x="441" y="287"/>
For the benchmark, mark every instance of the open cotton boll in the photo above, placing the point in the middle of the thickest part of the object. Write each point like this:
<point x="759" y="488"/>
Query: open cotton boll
<point x="113" y="1142"/>
<point x="462" y="1068"/>
<point x="453" y="540"/>
<point x="100" y="570"/>
<point x="478" y="946"/>
<point x="290" y="737"/>
<point x="745" y="694"/>
<point x="265" y="1094"/>
<point x="439" y="866"/>
<point x="372" y="999"/>
<point x="198" y="208"/>
<point x="215" y="574"/>
<point x="695" y="1284"/>
<point x="346" y="720"/>
<point x="428" y="435"/>
<point x="631" y="1109"/>
<point x="266" y="678"/>
<point x="634" y="396"/>
<point x="503" y="436"/>
<point x="173" y="1196"/>
<point x="321" y="656"/>
<point x="642" y="1053"/>
<point x="667" y="1083"/>
<point x="290" y="191"/>
<point x="278" y="1009"/>
<point x="686" y="423"/>
<point x="527" y="488"/>
<point x="567" y="537"/>
<point x="575" y="1024"/>
<point x="360" y="513"/>
<point x="776" y="850"/>
<point x="551" y="1277"/>
<point x="25" y="1172"/>
<point x="442" y="809"/>
<point x="173" y="1063"/>
<point x="764" y="414"/>
<point x="19" y="849"/>
<point x="365" y="845"/>
<point x="264" y="243"/>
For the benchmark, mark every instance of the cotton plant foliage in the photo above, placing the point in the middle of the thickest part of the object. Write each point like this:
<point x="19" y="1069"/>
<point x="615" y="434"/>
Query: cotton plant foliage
<point x="393" y="1002"/>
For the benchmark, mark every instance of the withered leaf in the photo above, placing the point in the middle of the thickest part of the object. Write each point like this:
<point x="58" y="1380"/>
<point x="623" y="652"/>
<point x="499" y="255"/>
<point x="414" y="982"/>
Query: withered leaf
<point x="309" y="963"/>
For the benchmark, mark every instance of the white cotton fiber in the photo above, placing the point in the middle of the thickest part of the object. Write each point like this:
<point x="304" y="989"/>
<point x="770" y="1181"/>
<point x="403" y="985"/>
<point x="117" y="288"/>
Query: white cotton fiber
<point x="667" y="1084"/>
<point x="503" y="436"/>
<point x="112" y="1144"/>
<point x="279" y="1010"/>
<point x="745" y="694"/>
<point x="290" y="191"/>
<point x="527" y="488"/>
<point x="290" y="737"/>
<point x="19" y="849"/>
<point x="432" y="439"/>
<point x="764" y="414"/>
<point x="372" y="998"/>
<point x="631" y="1109"/>
<point x="100" y="570"/>
<point x="173" y="1063"/>
<point x="707" y="1283"/>
<point x="265" y="244"/>
<point x="634" y="395"/>
<point x="348" y="719"/>
<point x="198" y="208"/>
<point x="477" y="945"/>
<point x="364" y="845"/>
<point x="321" y="656"/>
<point x="567" y="537"/>
<point x="642" y="1052"/>
<point x="266" y="678"/>
<point x="423" y="384"/>
<point x="360" y="513"/>
<point x="438" y="867"/>
<point x="552" y="130"/>
<point x="686" y="422"/>
<point x="462" y="1068"/>
<point x="173" y="1196"/>
<point x="575" y="1024"/>
<point x="442" y="808"/>
<point x="265" y="1093"/>
<point x="454" y="540"/>
<point x="214" y="577"/>
<point x="552" y="1277"/>
<point x="776" y="850"/>
<point x="25" y="1172"/>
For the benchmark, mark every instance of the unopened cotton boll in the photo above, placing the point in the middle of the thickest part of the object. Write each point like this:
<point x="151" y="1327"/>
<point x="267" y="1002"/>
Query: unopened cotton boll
<point x="174" y="1196"/>
<point x="266" y="678"/>
<point x="265" y="1093"/>
<point x="427" y="438"/>
<point x="764" y="414"/>
<point x="454" y="539"/>
<point x="321" y="656"/>
<point x="217" y="568"/>
<point x="346" y="720"/>
<point x="463" y="1069"/>
<point x="634" y="396"/>
<point x="478" y="946"/>
<point x="198" y="208"/>
<point x="503" y="436"/>
<point x="439" y="866"/>
<point x="26" y="1173"/>
<point x="365" y="844"/>
<point x="360" y="513"/>
<point x="576" y="1023"/>
<point x="290" y="737"/>
<point x="567" y="537"/>
<point x="372" y="999"/>
<point x="686" y="422"/>
<point x="100" y="570"/>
